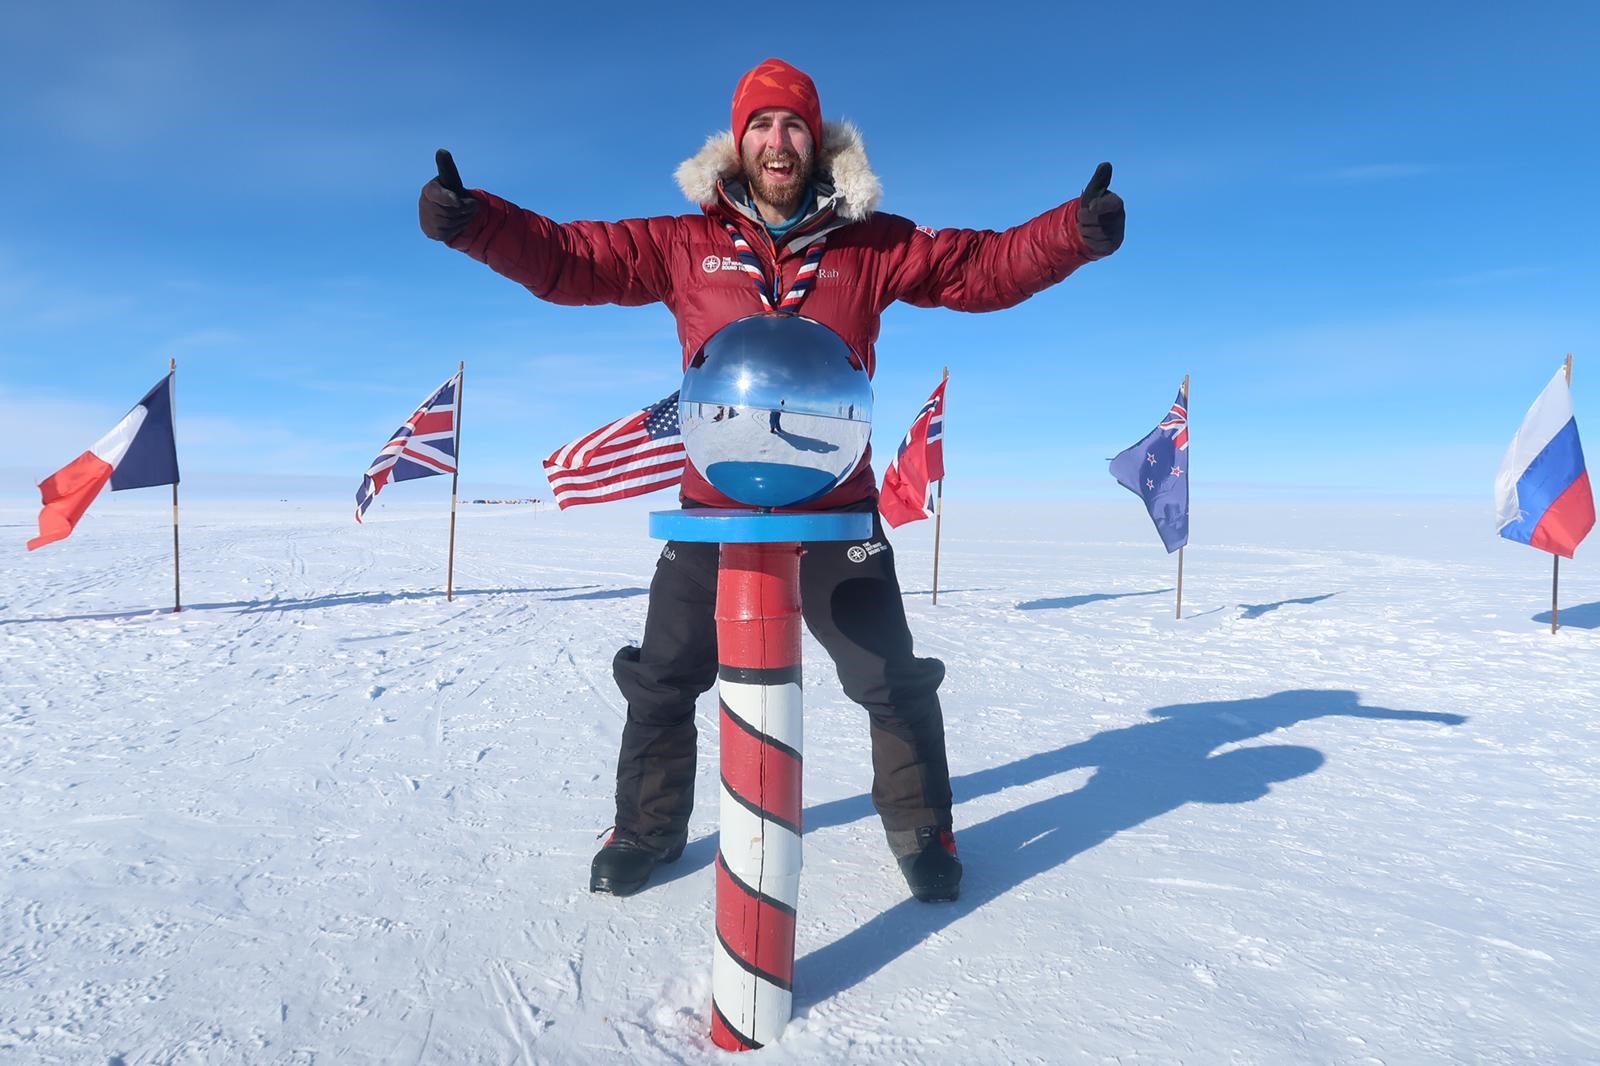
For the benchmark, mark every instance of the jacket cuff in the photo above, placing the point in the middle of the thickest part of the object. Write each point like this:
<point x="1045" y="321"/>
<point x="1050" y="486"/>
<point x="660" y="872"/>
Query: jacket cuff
<point x="1075" y="235"/>
<point x="462" y="241"/>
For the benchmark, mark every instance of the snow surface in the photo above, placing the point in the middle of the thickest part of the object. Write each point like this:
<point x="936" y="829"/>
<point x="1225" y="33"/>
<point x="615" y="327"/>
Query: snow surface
<point x="1345" y="811"/>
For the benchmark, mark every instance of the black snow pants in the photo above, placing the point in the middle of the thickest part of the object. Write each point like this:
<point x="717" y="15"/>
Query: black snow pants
<point x="851" y="603"/>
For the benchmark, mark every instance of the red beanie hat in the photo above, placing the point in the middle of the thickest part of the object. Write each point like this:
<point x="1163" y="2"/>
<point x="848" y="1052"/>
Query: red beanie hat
<point x="775" y="83"/>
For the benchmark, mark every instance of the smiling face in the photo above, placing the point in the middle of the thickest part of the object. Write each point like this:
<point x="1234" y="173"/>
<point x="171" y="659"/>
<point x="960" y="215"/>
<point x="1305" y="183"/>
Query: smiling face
<point x="778" y="156"/>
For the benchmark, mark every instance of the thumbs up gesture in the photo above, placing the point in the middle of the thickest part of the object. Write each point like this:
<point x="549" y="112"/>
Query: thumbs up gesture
<point x="445" y="208"/>
<point x="1100" y="214"/>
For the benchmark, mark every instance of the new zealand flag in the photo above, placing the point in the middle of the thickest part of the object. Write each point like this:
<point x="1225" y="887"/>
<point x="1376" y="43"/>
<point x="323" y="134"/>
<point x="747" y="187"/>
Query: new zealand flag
<point x="1157" y="469"/>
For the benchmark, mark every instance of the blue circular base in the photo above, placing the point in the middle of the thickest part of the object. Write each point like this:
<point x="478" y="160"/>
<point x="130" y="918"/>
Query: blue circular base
<point x="769" y="484"/>
<point x="712" y="525"/>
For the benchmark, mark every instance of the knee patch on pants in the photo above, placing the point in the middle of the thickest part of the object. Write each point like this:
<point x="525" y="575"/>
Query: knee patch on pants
<point x="895" y="684"/>
<point x="921" y="680"/>
<point x="645" y="689"/>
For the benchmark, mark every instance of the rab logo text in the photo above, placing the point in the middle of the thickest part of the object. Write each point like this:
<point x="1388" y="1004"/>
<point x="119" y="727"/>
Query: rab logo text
<point x="713" y="263"/>
<point x="859" y="553"/>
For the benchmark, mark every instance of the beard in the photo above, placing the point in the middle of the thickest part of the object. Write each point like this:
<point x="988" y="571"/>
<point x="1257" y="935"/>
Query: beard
<point x="788" y="196"/>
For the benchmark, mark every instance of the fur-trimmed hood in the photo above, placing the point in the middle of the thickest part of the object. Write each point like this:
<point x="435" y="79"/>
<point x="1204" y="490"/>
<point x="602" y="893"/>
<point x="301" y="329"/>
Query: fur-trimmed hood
<point x="841" y="163"/>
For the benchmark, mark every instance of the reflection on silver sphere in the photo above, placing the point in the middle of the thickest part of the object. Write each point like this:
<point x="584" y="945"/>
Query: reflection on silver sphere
<point x="774" y="411"/>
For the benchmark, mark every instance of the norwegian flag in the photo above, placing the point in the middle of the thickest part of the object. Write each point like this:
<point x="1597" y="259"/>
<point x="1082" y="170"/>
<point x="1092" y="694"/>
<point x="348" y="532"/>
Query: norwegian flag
<point x="636" y="454"/>
<point x="917" y="465"/>
<point x="423" y="446"/>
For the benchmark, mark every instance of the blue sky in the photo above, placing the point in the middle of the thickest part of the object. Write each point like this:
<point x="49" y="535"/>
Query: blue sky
<point x="1367" y="230"/>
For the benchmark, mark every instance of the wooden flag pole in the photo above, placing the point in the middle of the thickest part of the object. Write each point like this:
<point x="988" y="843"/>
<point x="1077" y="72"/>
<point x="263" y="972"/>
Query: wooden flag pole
<point x="1180" y="550"/>
<point x="938" y="512"/>
<point x="177" y="595"/>
<point x="1555" y="560"/>
<point x="455" y="475"/>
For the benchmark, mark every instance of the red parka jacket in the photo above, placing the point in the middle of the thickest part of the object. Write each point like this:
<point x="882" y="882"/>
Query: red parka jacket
<point x="688" y="263"/>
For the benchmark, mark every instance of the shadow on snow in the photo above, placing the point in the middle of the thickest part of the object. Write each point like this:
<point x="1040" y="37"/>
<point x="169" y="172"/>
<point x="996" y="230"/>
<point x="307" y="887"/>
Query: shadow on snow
<point x="313" y="602"/>
<point x="1068" y="602"/>
<point x="1141" y="772"/>
<point x="1250" y="610"/>
<point x="1256" y="610"/>
<point x="603" y="594"/>
<point x="929" y="592"/>
<point x="1582" y="616"/>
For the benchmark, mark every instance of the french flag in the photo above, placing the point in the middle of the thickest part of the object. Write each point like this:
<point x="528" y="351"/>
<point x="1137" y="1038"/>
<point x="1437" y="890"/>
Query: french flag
<point x="1541" y="494"/>
<point x="138" y="453"/>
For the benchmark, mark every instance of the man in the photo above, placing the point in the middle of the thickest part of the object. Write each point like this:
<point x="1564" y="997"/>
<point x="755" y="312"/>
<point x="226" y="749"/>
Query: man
<point x="784" y="197"/>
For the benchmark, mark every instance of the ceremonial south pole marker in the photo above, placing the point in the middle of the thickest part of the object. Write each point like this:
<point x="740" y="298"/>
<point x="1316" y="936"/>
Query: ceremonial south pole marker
<point x="775" y="411"/>
<point x="762" y="741"/>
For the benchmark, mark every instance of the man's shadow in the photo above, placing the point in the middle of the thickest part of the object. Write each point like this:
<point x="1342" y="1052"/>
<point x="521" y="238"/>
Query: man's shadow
<point x="801" y="442"/>
<point x="1141" y="772"/>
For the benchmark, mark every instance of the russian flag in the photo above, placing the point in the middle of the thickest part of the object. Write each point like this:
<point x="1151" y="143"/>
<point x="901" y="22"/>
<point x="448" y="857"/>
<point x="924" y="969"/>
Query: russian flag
<point x="139" y="452"/>
<point x="1541" y="494"/>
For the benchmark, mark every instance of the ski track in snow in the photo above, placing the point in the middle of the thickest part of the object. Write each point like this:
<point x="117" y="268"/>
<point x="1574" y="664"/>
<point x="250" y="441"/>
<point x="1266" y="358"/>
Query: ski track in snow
<point x="1343" y="812"/>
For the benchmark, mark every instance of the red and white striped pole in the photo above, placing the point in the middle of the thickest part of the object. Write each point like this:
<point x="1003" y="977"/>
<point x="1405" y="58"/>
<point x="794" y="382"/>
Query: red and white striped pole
<point x="758" y="857"/>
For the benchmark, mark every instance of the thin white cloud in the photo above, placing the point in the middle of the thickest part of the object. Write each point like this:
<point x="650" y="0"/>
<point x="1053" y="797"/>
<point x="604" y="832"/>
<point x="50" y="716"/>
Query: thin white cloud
<point x="1380" y="172"/>
<point x="121" y="85"/>
<point x="48" y="432"/>
<point x="1495" y="276"/>
<point x="30" y="302"/>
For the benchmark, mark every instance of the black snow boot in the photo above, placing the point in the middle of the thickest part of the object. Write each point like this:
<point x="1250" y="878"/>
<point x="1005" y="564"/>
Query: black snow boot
<point x="624" y="864"/>
<point x="927" y="857"/>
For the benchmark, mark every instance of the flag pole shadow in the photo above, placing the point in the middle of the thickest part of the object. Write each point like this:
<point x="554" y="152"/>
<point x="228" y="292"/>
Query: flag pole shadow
<point x="604" y="594"/>
<point x="1141" y="772"/>
<point x="1256" y="610"/>
<point x="1581" y="616"/>
<point x="1066" y="603"/>
<point x="309" y="603"/>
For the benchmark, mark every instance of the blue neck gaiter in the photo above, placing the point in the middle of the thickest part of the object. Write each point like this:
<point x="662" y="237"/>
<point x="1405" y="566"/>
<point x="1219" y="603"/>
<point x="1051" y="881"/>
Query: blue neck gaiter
<point x="781" y="229"/>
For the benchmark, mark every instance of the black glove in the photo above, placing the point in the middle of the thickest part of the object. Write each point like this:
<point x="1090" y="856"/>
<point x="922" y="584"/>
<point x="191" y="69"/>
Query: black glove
<point x="1100" y="214"/>
<point x="444" y="209"/>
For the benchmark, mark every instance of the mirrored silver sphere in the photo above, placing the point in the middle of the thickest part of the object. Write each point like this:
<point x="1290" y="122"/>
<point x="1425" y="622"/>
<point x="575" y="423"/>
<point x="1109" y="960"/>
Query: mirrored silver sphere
<point x="775" y="411"/>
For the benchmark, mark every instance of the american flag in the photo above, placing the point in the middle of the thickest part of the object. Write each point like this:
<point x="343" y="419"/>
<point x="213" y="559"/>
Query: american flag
<point x="423" y="446"/>
<point x="636" y="454"/>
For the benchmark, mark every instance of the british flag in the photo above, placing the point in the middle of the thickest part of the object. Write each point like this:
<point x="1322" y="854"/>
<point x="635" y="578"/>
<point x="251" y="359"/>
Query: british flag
<point x="424" y="445"/>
